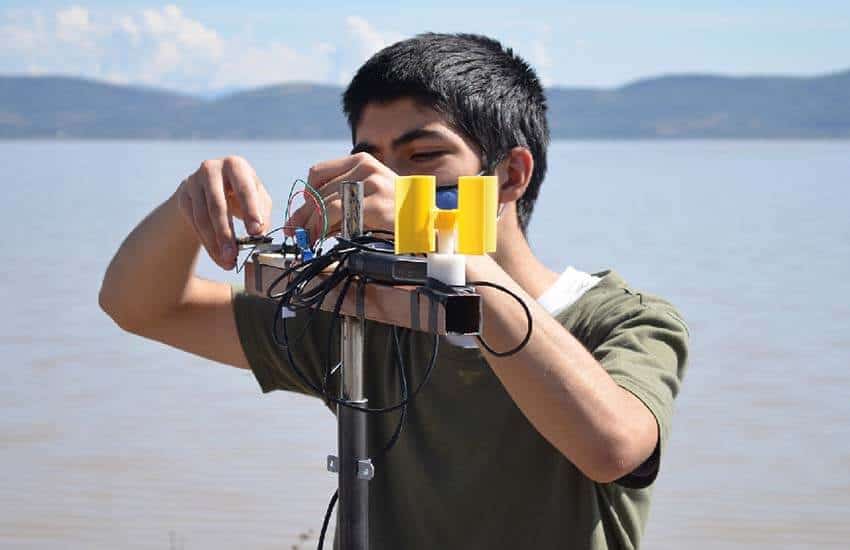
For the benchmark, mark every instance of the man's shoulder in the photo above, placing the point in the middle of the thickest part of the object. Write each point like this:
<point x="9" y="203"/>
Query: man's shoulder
<point x="613" y="301"/>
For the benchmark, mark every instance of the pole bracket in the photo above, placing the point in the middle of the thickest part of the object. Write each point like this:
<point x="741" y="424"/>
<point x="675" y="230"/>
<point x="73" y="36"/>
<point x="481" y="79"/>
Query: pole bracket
<point x="333" y="464"/>
<point x="365" y="469"/>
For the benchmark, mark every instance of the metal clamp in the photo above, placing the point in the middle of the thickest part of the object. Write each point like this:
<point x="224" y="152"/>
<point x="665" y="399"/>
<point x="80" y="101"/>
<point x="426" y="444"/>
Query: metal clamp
<point x="365" y="469"/>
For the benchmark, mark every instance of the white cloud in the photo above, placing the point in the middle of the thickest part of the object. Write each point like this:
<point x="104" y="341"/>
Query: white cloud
<point x="129" y="27"/>
<point x="165" y="46"/>
<point x="170" y="24"/>
<point x="167" y="59"/>
<point x="117" y="77"/>
<point x="272" y="63"/>
<point x="21" y="31"/>
<point x="368" y="41"/>
<point x="156" y="46"/>
<point x="178" y="47"/>
<point x="73" y="19"/>
<point x="74" y="28"/>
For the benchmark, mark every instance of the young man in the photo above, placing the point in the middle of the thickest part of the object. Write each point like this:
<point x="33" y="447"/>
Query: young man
<point x="554" y="447"/>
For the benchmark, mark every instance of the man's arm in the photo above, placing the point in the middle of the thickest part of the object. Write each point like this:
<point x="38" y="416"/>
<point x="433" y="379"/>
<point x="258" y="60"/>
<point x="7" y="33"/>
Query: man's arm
<point x="560" y="387"/>
<point x="604" y="429"/>
<point x="150" y="288"/>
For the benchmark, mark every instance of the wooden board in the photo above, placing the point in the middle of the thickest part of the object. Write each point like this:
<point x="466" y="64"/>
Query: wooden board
<point x="408" y="306"/>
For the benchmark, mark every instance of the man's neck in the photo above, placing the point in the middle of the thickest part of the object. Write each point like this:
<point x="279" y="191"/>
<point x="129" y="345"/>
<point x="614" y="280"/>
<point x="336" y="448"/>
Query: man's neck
<point x="515" y="256"/>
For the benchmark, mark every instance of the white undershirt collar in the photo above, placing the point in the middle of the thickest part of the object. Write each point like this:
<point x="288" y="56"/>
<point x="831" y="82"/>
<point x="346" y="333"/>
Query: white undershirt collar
<point x="563" y="293"/>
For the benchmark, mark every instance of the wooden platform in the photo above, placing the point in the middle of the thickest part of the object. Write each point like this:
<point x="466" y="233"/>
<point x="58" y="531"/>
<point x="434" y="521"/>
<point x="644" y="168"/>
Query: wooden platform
<point x="409" y="306"/>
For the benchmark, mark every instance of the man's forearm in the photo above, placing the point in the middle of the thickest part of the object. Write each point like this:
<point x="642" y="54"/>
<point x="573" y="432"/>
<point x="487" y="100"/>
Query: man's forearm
<point x="152" y="269"/>
<point x="563" y="391"/>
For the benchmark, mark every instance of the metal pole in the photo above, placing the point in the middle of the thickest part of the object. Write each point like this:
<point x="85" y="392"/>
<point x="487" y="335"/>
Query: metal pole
<point x="355" y="469"/>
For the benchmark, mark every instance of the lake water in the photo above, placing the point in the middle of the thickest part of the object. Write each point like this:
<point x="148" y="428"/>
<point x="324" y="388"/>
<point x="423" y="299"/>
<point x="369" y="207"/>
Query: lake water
<point x="108" y="441"/>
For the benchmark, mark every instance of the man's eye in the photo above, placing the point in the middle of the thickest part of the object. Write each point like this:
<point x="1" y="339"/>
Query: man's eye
<point x="428" y="155"/>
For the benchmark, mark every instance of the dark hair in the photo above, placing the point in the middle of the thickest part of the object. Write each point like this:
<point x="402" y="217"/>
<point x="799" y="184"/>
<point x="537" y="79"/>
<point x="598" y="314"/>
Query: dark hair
<point x="484" y="91"/>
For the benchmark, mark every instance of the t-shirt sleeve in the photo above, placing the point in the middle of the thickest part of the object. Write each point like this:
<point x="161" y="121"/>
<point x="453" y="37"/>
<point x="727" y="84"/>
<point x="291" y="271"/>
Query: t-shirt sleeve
<point x="644" y="348"/>
<point x="269" y="361"/>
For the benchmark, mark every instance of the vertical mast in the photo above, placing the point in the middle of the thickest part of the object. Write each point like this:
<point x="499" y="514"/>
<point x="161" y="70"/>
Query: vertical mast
<point x="355" y="468"/>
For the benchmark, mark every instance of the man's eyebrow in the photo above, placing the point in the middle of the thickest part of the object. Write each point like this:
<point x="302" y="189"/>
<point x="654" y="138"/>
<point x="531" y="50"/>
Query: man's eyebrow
<point x="404" y="139"/>
<point x="413" y="135"/>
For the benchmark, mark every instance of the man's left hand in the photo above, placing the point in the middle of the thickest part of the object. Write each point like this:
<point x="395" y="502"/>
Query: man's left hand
<point x="378" y="194"/>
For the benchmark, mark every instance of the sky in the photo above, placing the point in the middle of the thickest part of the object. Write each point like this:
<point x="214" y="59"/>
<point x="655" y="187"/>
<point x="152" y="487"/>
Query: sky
<point x="205" y="47"/>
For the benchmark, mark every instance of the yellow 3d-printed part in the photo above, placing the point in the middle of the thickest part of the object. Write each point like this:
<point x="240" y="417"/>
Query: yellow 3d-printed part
<point x="478" y="199"/>
<point x="445" y="220"/>
<point x="417" y="217"/>
<point x="415" y="197"/>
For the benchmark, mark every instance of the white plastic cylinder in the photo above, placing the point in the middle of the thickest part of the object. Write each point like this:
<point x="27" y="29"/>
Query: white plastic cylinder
<point x="446" y="241"/>
<point x="444" y="265"/>
<point x="447" y="268"/>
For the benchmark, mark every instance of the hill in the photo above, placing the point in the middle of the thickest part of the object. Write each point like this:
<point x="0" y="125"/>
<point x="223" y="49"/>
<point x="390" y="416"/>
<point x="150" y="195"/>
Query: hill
<point x="676" y="106"/>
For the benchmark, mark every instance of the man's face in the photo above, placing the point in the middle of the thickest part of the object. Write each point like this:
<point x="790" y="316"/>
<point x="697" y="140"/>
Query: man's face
<point x="411" y="139"/>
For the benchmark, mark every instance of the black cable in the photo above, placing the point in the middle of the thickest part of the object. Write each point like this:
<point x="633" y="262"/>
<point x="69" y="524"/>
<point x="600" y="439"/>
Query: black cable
<point x="403" y="383"/>
<point x="286" y="345"/>
<point x="300" y="293"/>
<point x="327" y="520"/>
<point x="301" y="275"/>
<point x="315" y="297"/>
<point x="335" y="316"/>
<point x="390" y="443"/>
<point x="314" y="303"/>
<point x="525" y="308"/>
<point x="351" y="404"/>
<point x="240" y="267"/>
<point x="368" y="248"/>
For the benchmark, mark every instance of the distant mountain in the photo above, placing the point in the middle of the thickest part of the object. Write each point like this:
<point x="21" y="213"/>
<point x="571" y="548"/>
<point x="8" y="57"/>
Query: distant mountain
<point x="78" y="108"/>
<point x="678" y="106"/>
<point x="705" y="106"/>
<point x="284" y="111"/>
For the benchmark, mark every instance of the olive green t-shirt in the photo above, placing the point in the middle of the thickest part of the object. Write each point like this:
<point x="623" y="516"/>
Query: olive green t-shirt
<point x="470" y="471"/>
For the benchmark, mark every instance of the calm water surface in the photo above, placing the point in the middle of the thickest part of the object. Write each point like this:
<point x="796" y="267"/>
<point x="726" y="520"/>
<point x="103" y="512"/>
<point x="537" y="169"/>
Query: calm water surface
<point x="107" y="440"/>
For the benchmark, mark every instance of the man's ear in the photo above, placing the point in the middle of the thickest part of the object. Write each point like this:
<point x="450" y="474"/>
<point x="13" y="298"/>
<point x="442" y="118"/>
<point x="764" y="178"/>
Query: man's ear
<point x="514" y="174"/>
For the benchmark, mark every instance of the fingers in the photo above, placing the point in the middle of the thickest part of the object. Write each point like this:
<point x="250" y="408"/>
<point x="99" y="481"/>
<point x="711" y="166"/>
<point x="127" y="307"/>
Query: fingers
<point x="302" y="216"/>
<point x="240" y="177"/>
<point x="315" y="224"/>
<point x="220" y="220"/>
<point x="323" y="172"/>
<point x="203" y="226"/>
<point x="326" y="177"/>
<point x="378" y="209"/>
<point x="217" y="191"/>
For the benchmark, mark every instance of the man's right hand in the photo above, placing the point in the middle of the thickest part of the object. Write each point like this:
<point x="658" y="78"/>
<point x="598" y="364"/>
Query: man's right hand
<point x="214" y="194"/>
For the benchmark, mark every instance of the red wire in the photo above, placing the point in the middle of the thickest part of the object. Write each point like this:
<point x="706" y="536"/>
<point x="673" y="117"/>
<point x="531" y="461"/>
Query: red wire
<point x="303" y="193"/>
